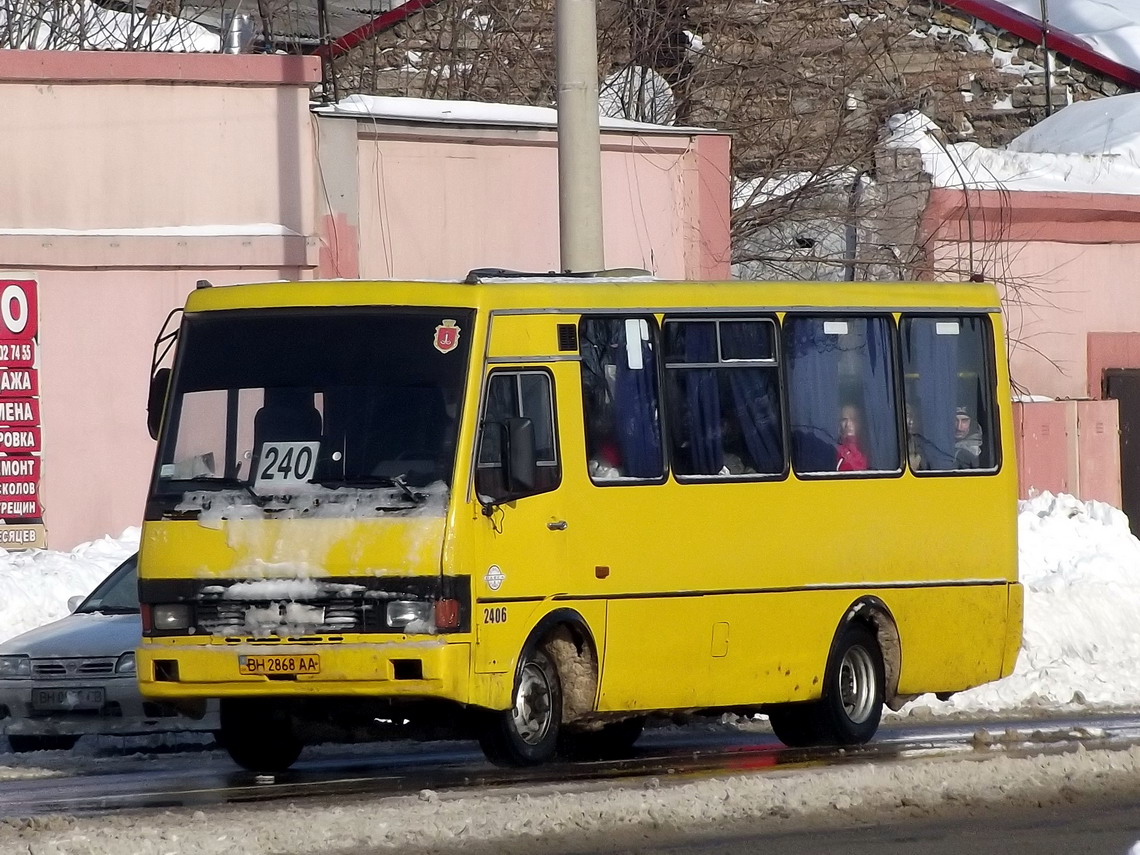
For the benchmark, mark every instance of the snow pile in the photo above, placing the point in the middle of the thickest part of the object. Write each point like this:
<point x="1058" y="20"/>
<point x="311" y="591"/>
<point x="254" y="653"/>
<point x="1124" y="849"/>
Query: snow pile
<point x="1087" y="147"/>
<point x="1080" y="566"/>
<point x="35" y="585"/>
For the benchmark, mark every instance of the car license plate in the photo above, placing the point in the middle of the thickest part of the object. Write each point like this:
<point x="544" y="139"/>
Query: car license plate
<point x="67" y="699"/>
<point x="267" y="666"/>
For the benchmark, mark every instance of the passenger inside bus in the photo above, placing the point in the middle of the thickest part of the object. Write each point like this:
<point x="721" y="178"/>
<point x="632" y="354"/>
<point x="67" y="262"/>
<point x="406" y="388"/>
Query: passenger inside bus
<point x="967" y="440"/>
<point x="605" y="456"/>
<point x="915" y="458"/>
<point x="850" y="456"/>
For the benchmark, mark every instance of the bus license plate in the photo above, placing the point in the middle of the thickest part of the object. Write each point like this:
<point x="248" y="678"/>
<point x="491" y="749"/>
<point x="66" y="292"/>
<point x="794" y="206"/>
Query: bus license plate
<point x="67" y="699"/>
<point x="267" y="666"/>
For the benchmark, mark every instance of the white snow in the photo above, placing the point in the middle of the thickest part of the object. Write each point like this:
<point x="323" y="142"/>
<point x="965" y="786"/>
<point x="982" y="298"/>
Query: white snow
<point x="1085" y="147"/>
<point x="477" y="113"/>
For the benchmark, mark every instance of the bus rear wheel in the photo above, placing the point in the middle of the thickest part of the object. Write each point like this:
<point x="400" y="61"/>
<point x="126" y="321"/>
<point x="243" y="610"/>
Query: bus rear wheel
<point x="259" y="737"/>
<point x="852" y="702"/>
<point x="853" y="688"/>
<point x="527" y="733"/>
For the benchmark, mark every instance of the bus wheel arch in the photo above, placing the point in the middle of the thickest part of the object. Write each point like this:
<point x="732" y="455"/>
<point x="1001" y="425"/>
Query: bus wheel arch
<point x="556" y="676"/>
<point x="873" y="612"/>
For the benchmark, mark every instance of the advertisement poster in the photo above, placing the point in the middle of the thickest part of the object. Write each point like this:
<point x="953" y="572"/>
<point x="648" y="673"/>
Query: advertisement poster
<point x="21" y="514"/>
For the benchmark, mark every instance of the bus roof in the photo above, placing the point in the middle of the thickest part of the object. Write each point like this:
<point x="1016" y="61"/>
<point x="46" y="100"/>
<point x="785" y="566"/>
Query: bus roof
<point x="574" y="295"/>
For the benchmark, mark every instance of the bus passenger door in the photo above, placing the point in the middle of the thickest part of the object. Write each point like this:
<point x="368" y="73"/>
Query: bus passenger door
<point x="523" y="540"/>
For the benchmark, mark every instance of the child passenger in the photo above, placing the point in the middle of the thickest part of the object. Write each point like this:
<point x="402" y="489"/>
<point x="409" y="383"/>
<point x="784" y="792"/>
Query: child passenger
<point x="850" y="456"/>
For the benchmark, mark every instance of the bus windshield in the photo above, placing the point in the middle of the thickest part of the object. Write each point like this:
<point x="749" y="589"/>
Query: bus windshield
<point x="282" y="401"/>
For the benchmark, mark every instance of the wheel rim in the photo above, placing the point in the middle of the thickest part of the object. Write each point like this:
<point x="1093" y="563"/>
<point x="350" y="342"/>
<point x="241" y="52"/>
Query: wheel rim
<point x="857" y="684"/>
<point x="533" y="708"/>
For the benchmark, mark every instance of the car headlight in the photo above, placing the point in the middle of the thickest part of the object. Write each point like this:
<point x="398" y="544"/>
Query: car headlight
<point x="171" y="616"/>
<point x="126" y="664"/>
<point x="15" y="666"/>
<point x="403" y="612"/>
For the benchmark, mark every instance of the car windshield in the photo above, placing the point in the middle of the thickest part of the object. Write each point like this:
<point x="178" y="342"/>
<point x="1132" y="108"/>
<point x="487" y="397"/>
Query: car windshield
<point x="118" y="594"/>
<point x="284" y="400"/>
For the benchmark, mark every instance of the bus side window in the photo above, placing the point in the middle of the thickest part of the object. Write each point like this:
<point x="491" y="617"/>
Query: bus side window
<point x="723" y="394"/>
<point x="620" y="398"/>
<point x="841" y="397"/>
<point x="949" y="393"/>
<point x="510" y="395"/>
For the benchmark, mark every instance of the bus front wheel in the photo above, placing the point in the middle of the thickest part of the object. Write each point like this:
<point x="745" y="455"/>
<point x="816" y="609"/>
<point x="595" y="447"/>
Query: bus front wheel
<point x="258" y="737"/>
<point x="527" y="733"/>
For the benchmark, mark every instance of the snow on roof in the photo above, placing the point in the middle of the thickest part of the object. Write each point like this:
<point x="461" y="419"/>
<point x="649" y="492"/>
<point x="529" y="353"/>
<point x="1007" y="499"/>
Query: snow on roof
<point x="1110" y="28"/>
<point x="478" y="113"/>
<point x="1086" y="147"/>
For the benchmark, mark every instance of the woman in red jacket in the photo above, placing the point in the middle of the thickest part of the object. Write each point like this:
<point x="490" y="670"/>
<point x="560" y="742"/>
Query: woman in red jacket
<point x="849" y="454"/>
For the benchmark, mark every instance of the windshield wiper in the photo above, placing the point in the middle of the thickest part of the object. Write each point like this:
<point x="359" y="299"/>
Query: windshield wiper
<point x="378" y="481"/>
<point x="107" y="610"/>
<point x="232" y="483"/>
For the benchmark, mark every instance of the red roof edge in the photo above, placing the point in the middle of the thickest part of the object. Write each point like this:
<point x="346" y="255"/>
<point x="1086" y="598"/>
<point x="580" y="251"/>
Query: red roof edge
<point x="1028" y="28"/>
<point x="377" y="25"/>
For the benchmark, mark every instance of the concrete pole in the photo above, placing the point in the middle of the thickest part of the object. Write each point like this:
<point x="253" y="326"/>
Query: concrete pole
<point x="579" y="138"/>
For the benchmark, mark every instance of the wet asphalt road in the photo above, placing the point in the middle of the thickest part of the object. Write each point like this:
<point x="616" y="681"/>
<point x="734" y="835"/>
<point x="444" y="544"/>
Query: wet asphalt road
<point x="198" y="778"/>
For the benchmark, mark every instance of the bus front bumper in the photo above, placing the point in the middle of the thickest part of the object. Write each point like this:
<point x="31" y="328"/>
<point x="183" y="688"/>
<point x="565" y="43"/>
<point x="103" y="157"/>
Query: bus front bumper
<point x="434" y="668"/>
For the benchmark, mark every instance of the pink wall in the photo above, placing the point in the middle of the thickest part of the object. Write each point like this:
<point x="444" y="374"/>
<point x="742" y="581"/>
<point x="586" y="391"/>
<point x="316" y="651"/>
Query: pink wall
<point x="1065" y="262"/>
<point x="127" y="178"/>
<point x="439" y="201"/>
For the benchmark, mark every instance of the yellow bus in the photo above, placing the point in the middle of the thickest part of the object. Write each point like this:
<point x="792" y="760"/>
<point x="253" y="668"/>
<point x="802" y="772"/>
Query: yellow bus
<point x="537" y="510"/>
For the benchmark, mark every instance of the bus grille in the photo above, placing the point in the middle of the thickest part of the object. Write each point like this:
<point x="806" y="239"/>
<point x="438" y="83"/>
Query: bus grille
<point x="228" y="617"/>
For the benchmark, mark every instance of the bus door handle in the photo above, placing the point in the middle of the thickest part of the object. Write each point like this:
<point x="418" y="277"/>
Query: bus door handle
<point x="556" y="525"/>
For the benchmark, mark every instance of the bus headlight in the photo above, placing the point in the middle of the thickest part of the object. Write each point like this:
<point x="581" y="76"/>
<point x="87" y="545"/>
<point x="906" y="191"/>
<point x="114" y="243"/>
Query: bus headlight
<point x="12" y="667"/>
<point x="171" y="616"/>
<point x="400" y="613"/>
<point x="126" y="663"/>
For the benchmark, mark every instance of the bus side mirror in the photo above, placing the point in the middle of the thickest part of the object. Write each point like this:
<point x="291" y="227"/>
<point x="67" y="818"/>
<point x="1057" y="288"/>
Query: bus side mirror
<point x="513" y="473"/>
<point x="156" y="400"/>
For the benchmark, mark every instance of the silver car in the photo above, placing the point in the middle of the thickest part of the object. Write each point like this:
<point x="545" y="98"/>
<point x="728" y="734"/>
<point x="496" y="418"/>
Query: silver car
<point x="76" y="676"/>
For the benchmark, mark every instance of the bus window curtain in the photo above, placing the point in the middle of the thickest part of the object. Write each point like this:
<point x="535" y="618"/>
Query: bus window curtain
<point x="935" y="359"/>
<point x="877" y="386"/>
<point x="636" y="412"/>
<point x="754" y="394"/>
<point x="703" y="400"/>
<point x="813" y="375"/>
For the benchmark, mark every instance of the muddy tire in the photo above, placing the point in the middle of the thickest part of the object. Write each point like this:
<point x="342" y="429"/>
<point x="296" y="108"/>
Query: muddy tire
<point x="527" y="733"/>
<point x="852" y="702"/>
<point x="259" y="737"/>
<point x="853" y="688"/>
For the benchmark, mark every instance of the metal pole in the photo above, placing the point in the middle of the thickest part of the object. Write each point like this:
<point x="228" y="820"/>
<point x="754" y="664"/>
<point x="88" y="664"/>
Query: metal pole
<point x="579" y="137"/>
<point x="1048" y="64"/>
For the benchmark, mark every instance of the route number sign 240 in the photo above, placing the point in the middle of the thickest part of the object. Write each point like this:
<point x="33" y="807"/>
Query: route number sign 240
<point x="286" y="464"/>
